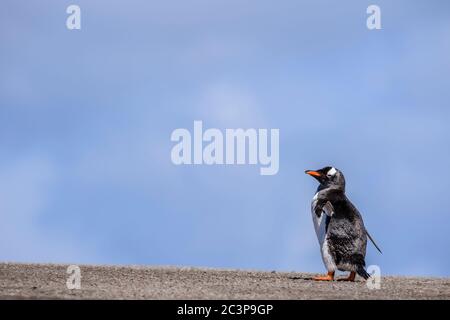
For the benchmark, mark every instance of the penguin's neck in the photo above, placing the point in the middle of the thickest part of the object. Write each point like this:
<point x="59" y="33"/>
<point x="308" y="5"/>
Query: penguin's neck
<point x="327" y="188"/>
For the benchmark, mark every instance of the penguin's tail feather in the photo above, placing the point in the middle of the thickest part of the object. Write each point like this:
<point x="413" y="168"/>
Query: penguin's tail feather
<point x="362" y="272"/>
<point x="373" y="241"/>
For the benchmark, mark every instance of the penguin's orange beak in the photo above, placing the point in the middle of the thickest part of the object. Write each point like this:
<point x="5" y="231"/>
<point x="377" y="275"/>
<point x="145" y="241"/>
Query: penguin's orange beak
<point x="313" y="173"/>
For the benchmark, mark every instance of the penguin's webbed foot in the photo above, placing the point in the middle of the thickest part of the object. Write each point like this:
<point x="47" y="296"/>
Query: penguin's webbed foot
<point x="350" y="278"/>
<point x="328" y="277"/>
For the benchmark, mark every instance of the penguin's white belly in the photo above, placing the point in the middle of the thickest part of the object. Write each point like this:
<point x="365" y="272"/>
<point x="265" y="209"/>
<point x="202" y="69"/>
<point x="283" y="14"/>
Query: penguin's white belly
<point x="320" y="227"/>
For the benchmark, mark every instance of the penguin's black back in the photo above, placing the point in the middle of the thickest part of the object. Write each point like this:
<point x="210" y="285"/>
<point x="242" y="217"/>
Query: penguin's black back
<point x="346" y="234"/>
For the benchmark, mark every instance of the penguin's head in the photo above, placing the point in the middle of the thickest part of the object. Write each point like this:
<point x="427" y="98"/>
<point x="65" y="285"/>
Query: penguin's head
<point x="328" y="177"/>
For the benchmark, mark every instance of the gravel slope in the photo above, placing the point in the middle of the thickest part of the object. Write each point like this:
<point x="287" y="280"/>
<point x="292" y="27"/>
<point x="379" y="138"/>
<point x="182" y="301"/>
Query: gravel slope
<point x="48" y="281"/>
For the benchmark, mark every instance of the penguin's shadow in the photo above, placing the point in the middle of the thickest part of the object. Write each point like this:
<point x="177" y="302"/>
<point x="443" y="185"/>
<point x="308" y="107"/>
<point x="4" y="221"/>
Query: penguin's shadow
<point x="301" y="278"/>
<point x="310" y="279"/>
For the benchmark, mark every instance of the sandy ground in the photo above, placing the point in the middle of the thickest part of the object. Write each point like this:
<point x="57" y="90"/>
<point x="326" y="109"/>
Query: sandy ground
<point x="48" y="281"/>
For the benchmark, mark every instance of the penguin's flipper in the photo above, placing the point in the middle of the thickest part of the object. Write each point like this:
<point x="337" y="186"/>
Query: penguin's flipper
<point x="328" y="209"/>
<point x="370" y="237"/>
<point x="320" y="206"/>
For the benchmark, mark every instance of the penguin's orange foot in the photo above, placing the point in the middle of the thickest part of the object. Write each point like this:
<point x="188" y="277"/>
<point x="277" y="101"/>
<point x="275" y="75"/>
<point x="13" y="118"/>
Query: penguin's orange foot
<point x="350" y="278"/>
<point x="328" y="277"/>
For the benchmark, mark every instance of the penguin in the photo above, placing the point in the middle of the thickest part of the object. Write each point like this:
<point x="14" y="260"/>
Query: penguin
<point x="339" y="226"/>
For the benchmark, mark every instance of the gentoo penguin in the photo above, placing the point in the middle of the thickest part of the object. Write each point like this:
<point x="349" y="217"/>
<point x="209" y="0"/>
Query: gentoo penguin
<point x="339" y="226"/>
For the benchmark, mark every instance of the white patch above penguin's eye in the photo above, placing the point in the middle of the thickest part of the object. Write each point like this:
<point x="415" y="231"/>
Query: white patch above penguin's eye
<point x="331" y="172"/>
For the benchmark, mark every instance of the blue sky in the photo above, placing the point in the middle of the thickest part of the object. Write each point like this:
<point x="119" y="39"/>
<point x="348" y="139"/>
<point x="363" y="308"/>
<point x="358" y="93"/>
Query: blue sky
<point x="86" y="118"/>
